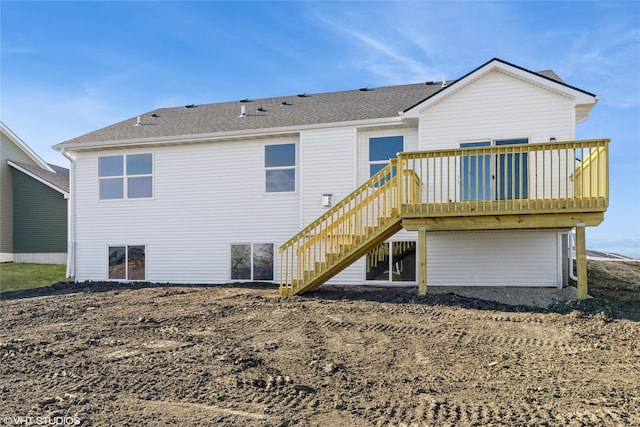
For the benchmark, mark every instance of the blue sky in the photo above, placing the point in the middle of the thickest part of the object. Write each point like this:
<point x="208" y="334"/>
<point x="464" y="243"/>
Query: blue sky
<point x="68" y="68"/>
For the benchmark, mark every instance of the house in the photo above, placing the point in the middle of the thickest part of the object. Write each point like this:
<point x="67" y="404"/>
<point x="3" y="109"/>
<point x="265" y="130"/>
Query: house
<point x="33" y="197"/>
<point x="486" y="166"/>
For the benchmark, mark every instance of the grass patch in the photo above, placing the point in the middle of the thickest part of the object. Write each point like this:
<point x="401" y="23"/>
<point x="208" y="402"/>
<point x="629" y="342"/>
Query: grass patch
<point x="16" y="277"/>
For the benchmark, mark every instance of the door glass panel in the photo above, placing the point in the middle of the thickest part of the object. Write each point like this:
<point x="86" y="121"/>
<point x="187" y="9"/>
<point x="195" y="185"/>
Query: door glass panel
<point x="475" y="174"/>
<point x="512" y="172"/>
<point x="403" y="262"/>
<point x="378" y="263"/>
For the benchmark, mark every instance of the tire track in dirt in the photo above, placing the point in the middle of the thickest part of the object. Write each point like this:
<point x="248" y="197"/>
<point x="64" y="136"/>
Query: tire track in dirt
<point x="436" y="412"/>
<point x="464" y="338"/>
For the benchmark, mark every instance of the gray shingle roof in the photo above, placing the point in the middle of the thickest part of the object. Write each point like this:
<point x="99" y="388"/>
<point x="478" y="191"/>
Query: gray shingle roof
<point x="272" y="113"/>
<point x="267" y="113"/>
<point x="59" y="179"/>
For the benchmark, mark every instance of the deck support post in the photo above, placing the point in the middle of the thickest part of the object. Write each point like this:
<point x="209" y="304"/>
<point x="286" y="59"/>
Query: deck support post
<point x="581" y="261"/>
<point x="422" y="261"/>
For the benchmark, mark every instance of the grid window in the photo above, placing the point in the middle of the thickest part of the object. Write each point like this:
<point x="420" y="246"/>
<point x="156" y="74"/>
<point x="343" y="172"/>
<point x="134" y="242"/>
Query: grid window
<point x="125" y="176"/>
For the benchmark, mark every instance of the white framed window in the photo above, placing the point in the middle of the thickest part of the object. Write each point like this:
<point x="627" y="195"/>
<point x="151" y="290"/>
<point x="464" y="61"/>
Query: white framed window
<point x="127" y="176"/>
<point x="252" y="261"/>
<point x="127" y="262"/>
<point x="382" y="149"/>
<point x="280" y="168"/>
<point x="392" y="262"/>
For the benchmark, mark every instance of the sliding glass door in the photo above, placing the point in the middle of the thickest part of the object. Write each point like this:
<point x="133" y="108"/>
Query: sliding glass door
<point x="478" y="173"/>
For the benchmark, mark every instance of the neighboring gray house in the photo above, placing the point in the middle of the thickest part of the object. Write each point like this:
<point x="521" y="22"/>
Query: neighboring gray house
<point x="33" y="205"/>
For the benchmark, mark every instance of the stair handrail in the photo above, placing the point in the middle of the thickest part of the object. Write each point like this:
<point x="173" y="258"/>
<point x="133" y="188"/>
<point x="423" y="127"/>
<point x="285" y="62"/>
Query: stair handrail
<point x="371" y="182"/>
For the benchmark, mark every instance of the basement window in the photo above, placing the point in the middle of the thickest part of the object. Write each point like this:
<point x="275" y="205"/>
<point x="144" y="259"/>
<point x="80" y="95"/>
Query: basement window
<point x="253" y="262"/>
<point x="127" y="262"/>
<point x="125" y="176"/>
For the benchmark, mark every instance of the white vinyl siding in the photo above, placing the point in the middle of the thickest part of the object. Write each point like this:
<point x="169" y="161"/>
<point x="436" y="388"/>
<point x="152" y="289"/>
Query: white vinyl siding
<point x="493" y="258"/>
<point x="206" y="196"/>
<point x="327" y="158"/>
<point x="497" y="106"/>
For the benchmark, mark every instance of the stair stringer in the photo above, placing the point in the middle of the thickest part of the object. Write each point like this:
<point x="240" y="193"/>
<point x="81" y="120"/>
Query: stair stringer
<point x="352" y="255"/>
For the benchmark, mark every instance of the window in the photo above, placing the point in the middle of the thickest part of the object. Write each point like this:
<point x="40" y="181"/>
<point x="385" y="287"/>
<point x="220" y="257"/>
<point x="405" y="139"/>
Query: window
<point x="280" y="167"/>
<point x="127" y="262"/>
<point x="392" y="262"/>
<point x="126" y="176"/>
<point x="381" y="149"/>
<point x="252" y="262"/>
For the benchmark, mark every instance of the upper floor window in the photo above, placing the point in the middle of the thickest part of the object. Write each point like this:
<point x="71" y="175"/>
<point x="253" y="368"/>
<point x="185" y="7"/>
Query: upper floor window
<point x="126" y="176"/>
<point x="381" y="149"/>
<point x="280" y="167"/>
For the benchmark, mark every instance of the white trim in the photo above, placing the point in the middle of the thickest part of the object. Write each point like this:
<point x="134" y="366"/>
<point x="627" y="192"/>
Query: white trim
<point x="25" y="148"/>
<point x="37" y="178"/>
<point x="585" y="101"/>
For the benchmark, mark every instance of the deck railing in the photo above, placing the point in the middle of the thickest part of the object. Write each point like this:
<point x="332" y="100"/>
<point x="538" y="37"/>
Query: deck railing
<point x="508" y="179"/>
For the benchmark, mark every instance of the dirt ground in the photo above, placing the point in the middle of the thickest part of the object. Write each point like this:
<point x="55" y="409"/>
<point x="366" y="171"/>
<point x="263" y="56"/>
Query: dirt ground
<point x="99" y="354"/>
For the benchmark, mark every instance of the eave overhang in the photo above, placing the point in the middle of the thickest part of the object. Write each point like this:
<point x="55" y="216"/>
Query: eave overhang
<point x="225" y="136"/>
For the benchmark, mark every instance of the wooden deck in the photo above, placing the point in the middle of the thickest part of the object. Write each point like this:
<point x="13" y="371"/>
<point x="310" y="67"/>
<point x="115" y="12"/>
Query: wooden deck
<point x="525" y="186"/>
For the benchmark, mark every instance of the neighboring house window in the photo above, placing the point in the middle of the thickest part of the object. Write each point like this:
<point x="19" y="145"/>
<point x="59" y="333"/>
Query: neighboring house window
<point x="478" y="173"/>
<point x="280" y="167"/>
<point x="252" y="261"/>
<point x="127" y="262"/>
<point x="126" y="176"/>
<point x="392" y="262"/>
<point x="381" y="150"/>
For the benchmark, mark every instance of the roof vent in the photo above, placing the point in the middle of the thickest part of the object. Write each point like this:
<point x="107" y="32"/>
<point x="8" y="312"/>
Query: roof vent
<point x="245" y="100"/>
<point x="365" y="89"/>
<point x="285" y="103"/>
<point x="154" y="115"/>
<point x="190" y="106"/>
<point x="243" y="111"/>
<point x="262" y="110"/>
<point x="303" y="95"/>
<point x="138" y="121"/>
<point x="444" y="82"/>
<point x="430" y="83"/>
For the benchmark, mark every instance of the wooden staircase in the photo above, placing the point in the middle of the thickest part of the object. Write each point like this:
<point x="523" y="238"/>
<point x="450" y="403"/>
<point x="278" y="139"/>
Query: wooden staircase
<point x="346" y="232"/>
